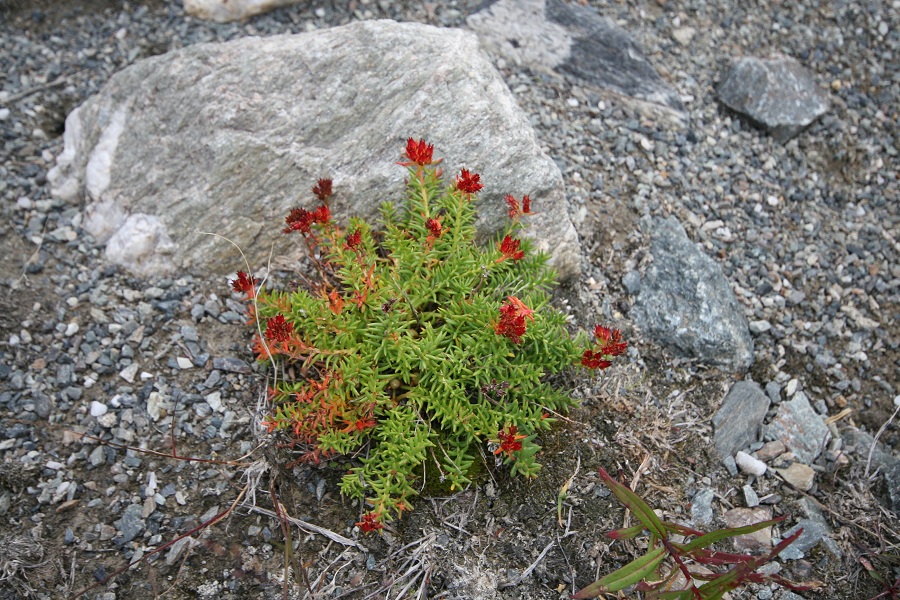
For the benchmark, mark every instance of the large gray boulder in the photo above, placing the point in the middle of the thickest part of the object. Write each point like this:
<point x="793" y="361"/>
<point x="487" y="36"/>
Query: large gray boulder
<point x="227" y="138"/>
<point x="564" y="37"/>
<point x="686" y="304"/>
<point x="776" y="93"/>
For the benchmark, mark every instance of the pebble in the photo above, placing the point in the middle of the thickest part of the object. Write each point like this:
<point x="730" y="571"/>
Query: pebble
<point x="184" y="363"/>
<point x="129" y="372"/>
<point x="98" y="409"/>
<point x="798" y="475"/>
<point x="749" y="465"/>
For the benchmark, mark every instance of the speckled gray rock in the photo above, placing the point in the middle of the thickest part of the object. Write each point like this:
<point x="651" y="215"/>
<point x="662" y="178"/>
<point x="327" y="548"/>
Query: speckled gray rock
<point x="777" y="93"/>
<point x="800" y="428"/>
<point x="738" y="421"/>
<point x="686" y="304"/>
<point x="565" y="37"/>
<point x="227" y="138"/>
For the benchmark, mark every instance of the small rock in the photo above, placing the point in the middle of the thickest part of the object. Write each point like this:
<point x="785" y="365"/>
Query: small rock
<point x="751" y="498"/>
<point x="184" y="362"/>
<point x="97" y="456"/>
<point x="129" y="372"/>
<point x="155" y="405"/>
<point x="798" y="475"/>
<point x="800" y="429"/>
<point x="98" y="409"/>
<point x="813" y="532"/>
<point x="632" y="282"/>
<point x="750" y="465"/>
<point x="701" y="508"/>
<point x="757" y="541"/>
<point x="231" y="365"/>
<point x="684" y="35"/>
<point x="108" y="421"/>
<point x="791" y="387"/>
<point x="760" y="326"/>
<point x="131" y="523"/>
<point x="771" y="450"/>
<point x="738" y="420"/>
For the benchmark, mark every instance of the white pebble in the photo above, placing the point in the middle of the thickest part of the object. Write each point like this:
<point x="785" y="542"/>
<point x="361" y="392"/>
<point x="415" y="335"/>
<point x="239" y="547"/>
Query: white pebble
<point x="4" y="114"/>
<point x="71" y="329"/>
<point x="184" y="363"/>
<point x="748" y="464"/>
<point x="98" y="409"/>
<point x="573" y="102"/>
<point x="791" y="387"/>
<point x="897" y="401"/>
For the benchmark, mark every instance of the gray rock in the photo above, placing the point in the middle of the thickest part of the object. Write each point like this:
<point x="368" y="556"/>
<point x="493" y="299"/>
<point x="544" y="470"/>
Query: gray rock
<point x="777" y="93"/>
<point x="738" y="421"/>
<point x="565" y="37"/>
<point x="800" y="429"/>
<point x="231" y="365"/>
<point x="632" y="282"/>
<point x="262" y="118"/>
<point x="773" y="390"/>
<point x="701" y="508"/>
<point x="131" y="523"/>
<point x="43" y="404"/>
<point x="686" y="304"/>
<point x="813" y="532"/>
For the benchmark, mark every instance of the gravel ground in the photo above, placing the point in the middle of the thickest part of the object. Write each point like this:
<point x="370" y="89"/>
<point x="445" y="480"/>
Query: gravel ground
<point x="807" y="233"/>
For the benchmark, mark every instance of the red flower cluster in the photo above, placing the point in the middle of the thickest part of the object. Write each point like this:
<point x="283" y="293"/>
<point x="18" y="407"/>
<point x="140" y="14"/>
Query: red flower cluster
<point x="516" y="211"/>
<point x="435" y="230"/>
<point x="278" y="329"/>
<point x="353" y="240"/>
<point x="322" y="189"/>
<point x="419" y="153"/>
<point x="369" y="523"/>
<point x="301" y="220"/>
<point x="469" y="183"/>
<point x="509" y="247"/>
<point x="610" y="344"/>
<point x="509" y="441"/>
<point x="611" y="340"/>
<point x="244" y="284"/>
<point x="512" y="320"/>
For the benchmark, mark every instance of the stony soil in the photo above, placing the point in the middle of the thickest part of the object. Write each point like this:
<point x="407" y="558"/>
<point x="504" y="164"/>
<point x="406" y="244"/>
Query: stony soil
<point x="807" y="234"/>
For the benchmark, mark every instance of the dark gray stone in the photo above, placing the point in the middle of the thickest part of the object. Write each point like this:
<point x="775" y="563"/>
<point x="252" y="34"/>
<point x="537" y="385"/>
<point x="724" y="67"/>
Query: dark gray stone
<point x="43" y="404"/>
<point x="686" y="304"/>
<point x="813" y="532"/>
<point x="231" y="365"/>
<point x="738" y="421"/>
<point x="573" y="39"/>
<point x="701" y="508"/>
<point x="131" y="523"/>
<point x="800" y="429"/>
<point x="632" y="282"/>
<point x="776" y="93"/>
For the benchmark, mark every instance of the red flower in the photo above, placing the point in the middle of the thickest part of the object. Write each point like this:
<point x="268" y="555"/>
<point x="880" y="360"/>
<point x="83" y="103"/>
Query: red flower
<point x="301" y="220"/>
<point x="435" y="230"/>
<point x="353" y="240"/>
<point x="509" y="247"/>
<point x="512" y="320"/>
<point x="278" y="329"/>
<point x="611" y="341"/>
<point x="244" y="284"/>
<point x="322" y="189"/>
<point x="469" y="183"/>
<point x="370" y="523"/>
<point x="515" y="211"/>
<point x="419" y="153"/>
<point x="509" y="441"/>
<point x="594" y="360"/>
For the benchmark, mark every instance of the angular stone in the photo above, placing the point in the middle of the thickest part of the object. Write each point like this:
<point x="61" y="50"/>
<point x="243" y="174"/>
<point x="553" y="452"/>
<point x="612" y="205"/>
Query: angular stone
<point x="758" y="541"/>
<point x="131" y="523"/>
<point x="561" y="36"/>
<point x="223" y="11"/>
<point x="261" y="118"/>
<point x="701" y="508"/>
<point x="231" y="365"/>
<point x="776" y="93"/>
<point x="813" y="532"/>
<point x="798" y="475"/>
<point x="685" y="302"/>
<point x="737" y="422"/>
<point x="800" y="428"/>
